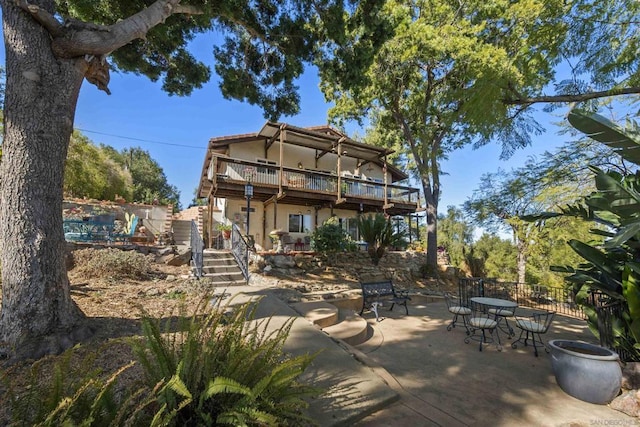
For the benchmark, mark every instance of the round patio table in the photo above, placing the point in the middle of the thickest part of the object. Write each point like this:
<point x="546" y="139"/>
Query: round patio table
<point x="498" y="304"/>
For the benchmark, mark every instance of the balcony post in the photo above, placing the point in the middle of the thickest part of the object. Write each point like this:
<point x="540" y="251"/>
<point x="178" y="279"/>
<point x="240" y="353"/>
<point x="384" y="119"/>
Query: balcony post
<point x="281" y="172"/>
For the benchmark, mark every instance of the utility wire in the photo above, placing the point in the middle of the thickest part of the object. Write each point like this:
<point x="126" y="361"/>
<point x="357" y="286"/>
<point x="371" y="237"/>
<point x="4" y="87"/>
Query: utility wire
<point x="140" y="139"/>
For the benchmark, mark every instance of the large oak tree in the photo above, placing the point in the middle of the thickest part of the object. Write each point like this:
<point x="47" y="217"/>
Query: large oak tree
<point x="52" y="46"/>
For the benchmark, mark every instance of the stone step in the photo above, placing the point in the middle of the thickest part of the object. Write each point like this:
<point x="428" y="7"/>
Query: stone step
<point x="219" y="283"/>
<point x="232" y="275"/>
<point x="181" y="224"/>
<point x="345" y="325"/>
<point x="319" y="313"/>
<point x="351" y="328"/>
<point x="228" y="269"/>
<point x="216" y="252"/>
<point x="219" y="261"/>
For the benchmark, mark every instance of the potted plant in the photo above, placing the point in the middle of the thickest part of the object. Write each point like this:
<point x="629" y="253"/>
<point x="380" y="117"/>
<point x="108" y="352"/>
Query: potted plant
<point x="225" y="229"/>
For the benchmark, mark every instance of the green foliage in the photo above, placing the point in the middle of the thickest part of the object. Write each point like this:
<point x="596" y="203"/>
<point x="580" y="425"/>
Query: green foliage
<point x="454" y="234"/>
<point x="552" y="248"/>
<point x="112" y="263"/>
<point x="91" y="172"/>
<point x="492" y="256"/>
<point x="196" y="201"/>
<point x="613" y="267"/>
<point x="149" y="181"/>
<point x="223" y="227"/>
<point x="330" y="238"/>
<point x="433" y="77"/>
<point x="604" y="40"/>
<point x="379" y="234"/>
<point x="223" y="368"/>
<point x="259" y="56"/>
<point x="624" y="140"/>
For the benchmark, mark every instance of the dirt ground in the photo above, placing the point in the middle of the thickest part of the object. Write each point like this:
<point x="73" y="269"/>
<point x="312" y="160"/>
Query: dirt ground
<point x="114" y="309"/>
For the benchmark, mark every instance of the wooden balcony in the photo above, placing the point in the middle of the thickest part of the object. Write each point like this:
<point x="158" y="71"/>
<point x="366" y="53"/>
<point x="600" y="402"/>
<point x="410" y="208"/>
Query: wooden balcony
<point x="309" y="187"/>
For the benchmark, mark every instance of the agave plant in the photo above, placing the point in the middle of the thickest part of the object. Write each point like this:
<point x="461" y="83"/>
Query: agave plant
<point x="378" y="232"/>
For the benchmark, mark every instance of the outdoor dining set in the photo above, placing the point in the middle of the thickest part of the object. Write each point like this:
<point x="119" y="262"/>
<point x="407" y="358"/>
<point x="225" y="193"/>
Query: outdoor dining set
<point x="485" y="317"/>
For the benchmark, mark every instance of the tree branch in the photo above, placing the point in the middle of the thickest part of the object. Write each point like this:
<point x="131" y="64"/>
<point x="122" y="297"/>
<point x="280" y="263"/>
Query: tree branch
<point x="581" y="97"/>
<point x="76" y="42"/>
<point x="44" y="18"/>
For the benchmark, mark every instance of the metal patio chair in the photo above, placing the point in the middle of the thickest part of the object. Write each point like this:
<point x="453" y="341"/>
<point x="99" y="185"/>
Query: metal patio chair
<point x="457" y="309"/>
<point x="536" y="324"/>
<point x="481" y="323"/>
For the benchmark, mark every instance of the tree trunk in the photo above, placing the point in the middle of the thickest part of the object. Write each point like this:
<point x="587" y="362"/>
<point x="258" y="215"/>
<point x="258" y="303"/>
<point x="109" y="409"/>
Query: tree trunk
<point x="522" y="261"/>
<point x="38" y="314"/>
<point x="432" y="225"/>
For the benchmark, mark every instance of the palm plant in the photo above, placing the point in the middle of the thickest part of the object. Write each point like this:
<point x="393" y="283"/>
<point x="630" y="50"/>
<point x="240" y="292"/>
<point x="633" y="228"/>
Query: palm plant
<point x="378" y="232"/>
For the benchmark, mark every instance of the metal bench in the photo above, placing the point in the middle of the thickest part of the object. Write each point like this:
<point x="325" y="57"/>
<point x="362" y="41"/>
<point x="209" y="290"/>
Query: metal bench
<point x="375" y="293"/>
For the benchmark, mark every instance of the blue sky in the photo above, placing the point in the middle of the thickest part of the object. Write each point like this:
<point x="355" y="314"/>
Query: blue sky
<point x="175" y="130"/>
<point x="139" y="109"/>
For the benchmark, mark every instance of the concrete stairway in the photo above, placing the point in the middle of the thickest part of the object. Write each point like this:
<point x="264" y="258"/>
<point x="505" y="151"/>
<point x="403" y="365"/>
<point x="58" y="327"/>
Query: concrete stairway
<point x="181" y="232"/>
<point x="221" y="268"/>
<point x="342" y="324"/>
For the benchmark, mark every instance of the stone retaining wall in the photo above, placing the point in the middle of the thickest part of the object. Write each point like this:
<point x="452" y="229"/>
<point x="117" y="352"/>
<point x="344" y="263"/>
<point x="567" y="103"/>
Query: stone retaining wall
<point x="397" y="266"/>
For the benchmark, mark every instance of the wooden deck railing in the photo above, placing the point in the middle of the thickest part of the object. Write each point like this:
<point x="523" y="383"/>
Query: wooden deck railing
<point x="313" y="181"/>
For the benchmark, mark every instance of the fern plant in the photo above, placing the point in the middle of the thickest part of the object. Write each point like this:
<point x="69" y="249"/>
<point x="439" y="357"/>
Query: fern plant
<point x="219" y="366"/>
<point x="223" y="369"/>
<point x="76" y="394"/>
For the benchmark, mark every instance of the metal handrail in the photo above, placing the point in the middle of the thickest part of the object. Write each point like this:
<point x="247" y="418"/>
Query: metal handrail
<point x="197" y="250"/>
<point x="240" y="248"/>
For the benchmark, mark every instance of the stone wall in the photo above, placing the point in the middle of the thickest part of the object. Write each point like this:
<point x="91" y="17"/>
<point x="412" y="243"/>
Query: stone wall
<point x="398" y="266"/>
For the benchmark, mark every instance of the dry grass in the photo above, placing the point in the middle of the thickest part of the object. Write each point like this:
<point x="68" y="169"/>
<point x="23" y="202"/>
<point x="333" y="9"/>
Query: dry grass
<point x="114" y="305"/>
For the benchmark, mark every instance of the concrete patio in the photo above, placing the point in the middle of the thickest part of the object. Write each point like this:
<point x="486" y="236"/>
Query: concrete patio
<point x="413" y="372"/>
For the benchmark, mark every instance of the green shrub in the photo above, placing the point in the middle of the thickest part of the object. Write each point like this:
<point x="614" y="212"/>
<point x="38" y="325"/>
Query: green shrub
<point x="223" y="369"/>
<point x="112" y="263"/>
<point x="330" y="238"/>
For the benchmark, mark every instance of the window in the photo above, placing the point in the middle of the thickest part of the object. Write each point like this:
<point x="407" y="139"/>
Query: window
<point x="269" y="171"/>
<point x="298" y="223"/>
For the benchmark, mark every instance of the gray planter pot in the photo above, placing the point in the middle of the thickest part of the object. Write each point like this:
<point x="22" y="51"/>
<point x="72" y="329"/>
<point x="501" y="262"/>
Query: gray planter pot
<point x="585" y="371"/>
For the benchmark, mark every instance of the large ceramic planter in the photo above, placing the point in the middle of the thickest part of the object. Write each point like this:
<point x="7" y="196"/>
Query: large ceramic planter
<point x="585" y="371"/>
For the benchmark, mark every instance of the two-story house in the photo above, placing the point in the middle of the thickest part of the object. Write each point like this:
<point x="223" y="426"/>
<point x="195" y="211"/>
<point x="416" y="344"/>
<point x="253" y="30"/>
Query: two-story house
<point x="300" y="177"/>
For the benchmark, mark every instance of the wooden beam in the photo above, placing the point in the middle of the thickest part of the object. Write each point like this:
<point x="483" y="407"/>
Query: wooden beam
<point x="384" y="173"/>
<point x="388" y="206"/>
<point x="281" y="171"/>
<point x="338" y="168"/>
<point x="210" y="220"/>
<point x="270" y="200"/>
<point x="269" y="142"/>
<point x="322" y="153"/>
<point x="341" y="200"/>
